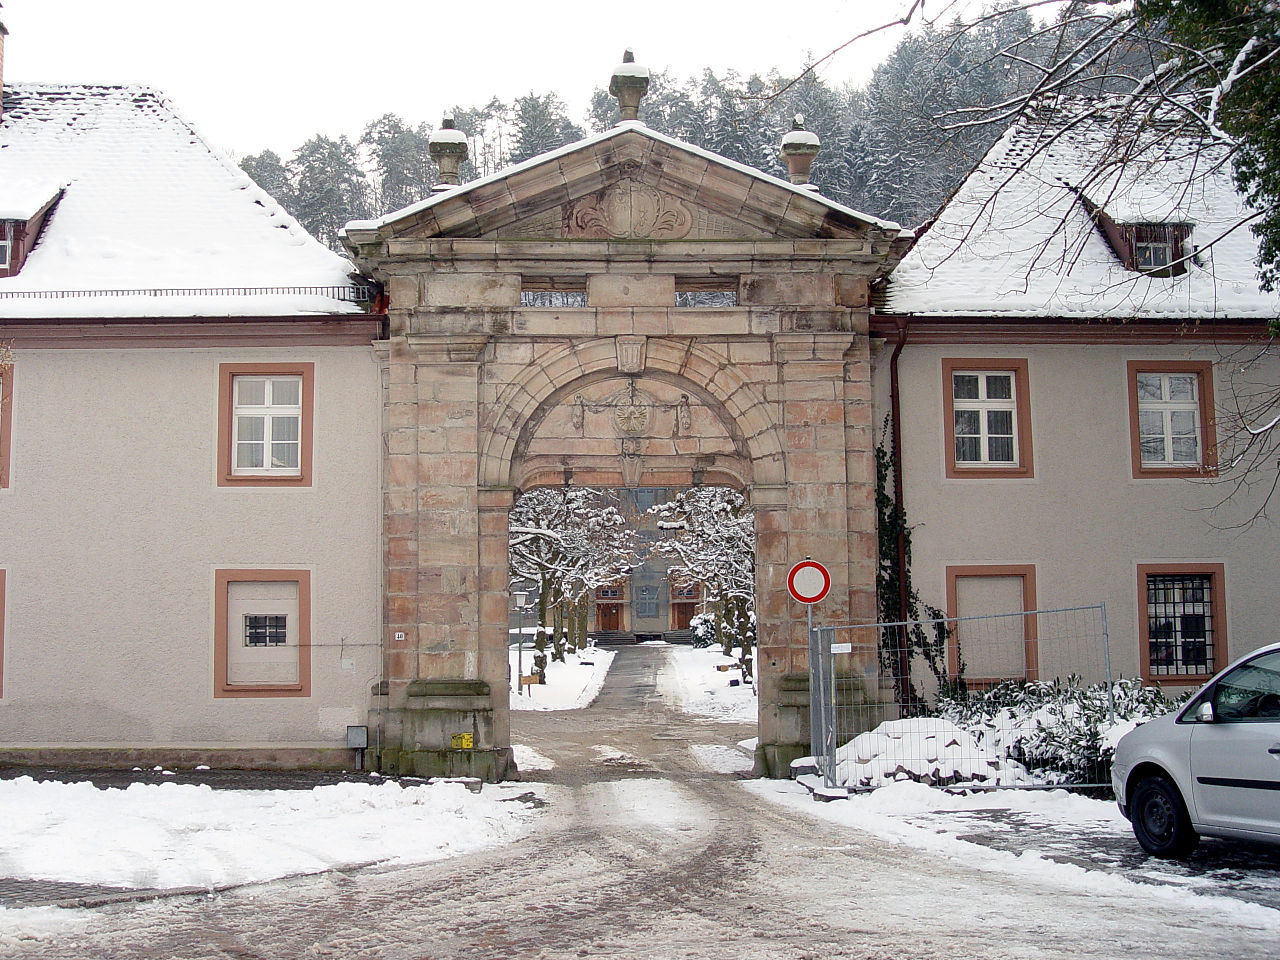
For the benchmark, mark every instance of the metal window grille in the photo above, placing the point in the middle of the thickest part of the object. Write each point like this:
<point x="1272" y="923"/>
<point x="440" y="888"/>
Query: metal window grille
<point x="1180" y="625"/>
<point x="706" y="298"/>
<point x="345" y="294"/>
<point x="265" y="630"/>
<point x="553" y="298"/>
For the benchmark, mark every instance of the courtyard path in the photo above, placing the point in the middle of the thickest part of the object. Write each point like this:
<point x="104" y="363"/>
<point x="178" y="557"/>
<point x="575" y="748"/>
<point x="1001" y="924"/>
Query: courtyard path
<point x="643" y="853"/>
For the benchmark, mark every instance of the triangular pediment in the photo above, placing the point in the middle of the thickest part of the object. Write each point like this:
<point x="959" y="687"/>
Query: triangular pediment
<point x="628" y="184"/>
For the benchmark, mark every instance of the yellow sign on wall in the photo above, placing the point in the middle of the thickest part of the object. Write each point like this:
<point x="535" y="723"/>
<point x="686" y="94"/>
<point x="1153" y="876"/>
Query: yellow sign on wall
<point x="462" y="741"/>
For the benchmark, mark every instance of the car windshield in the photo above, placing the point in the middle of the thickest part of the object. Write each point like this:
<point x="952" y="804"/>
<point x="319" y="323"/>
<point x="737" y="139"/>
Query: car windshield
<point x="1251" y="691"/>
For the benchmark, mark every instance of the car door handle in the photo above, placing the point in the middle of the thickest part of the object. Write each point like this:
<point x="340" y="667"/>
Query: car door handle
<point x="1275" y="748"/>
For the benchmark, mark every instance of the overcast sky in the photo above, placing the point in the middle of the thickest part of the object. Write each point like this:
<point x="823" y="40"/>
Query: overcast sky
<point x="255" y="74"/>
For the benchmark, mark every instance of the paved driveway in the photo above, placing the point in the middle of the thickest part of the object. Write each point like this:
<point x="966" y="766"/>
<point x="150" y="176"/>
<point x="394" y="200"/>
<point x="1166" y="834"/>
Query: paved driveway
<point x="644" y="853"/>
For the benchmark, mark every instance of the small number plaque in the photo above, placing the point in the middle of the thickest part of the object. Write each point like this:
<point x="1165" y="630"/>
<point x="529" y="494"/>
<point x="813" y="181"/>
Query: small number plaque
<point x="462" y="741"/>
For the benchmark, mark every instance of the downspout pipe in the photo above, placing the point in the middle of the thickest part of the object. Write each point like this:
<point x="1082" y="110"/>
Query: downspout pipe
<point x="895" y="413"/>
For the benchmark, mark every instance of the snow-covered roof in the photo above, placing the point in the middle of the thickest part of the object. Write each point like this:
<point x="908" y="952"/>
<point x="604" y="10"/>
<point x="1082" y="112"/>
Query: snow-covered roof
<point x="149" y="208"/>
<point x="626" y="126"/>
<point x="21" y="198"/>
<point x="1017" y="239"/>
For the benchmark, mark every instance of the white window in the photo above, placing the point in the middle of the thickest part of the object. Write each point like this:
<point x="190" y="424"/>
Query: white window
<point x="984" y="417"/>
<point x="1152" y="254"/>
<point x="1169" y="419"/>
<point x="268" y="426"/>
<point x="6" y="244"/>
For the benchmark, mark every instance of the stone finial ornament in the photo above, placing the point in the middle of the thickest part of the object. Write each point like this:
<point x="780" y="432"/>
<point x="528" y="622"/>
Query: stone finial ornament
<point x="448" y="148"/>
<point x="629" y="83"/>
<point x="799" y="147"/>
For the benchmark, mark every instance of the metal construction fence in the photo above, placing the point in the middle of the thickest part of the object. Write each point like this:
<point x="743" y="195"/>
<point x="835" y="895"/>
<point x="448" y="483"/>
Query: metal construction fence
<point x="1006" y="700"/>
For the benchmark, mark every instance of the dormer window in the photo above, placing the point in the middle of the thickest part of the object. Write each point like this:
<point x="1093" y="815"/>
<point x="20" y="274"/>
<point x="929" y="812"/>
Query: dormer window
<point x="1157" y="248"/>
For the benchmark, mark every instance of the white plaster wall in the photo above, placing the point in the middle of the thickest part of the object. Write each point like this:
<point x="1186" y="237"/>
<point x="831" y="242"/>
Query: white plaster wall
<point x="1084" y="521"/>
<point x="112" y="528"/>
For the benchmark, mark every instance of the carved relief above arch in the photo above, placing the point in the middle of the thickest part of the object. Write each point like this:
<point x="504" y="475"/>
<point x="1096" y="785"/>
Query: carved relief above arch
<point x="688" y="416"/>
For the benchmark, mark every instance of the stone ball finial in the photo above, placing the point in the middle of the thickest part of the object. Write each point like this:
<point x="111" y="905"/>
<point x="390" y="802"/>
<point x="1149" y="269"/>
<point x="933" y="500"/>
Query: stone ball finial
<point x="628" y="85"/>
<point x="448" y="149"/>
<point x="799" y="147"/>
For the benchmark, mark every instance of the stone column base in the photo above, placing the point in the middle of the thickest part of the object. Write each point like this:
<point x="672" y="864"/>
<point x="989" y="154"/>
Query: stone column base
<point x="773" y="759"/>
<point x="445" y="729"/>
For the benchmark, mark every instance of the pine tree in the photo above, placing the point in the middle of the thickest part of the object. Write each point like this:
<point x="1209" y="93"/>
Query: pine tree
<point x="329" y="187"/>
<point x="267" y="171"/>
<point x="402" y="166"/>
<point x="540" y="124"/>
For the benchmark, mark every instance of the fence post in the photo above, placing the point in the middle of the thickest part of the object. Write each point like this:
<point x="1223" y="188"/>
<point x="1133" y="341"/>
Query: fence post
<point x="1106" y="650"/>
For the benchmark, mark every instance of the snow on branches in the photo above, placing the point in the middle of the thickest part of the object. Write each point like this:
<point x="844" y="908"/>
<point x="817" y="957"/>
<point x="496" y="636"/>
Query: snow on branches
<point x="568" y="541"/>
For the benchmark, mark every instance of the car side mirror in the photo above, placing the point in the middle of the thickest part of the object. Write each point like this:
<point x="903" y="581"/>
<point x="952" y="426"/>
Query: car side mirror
<point x="1204" y="712"/>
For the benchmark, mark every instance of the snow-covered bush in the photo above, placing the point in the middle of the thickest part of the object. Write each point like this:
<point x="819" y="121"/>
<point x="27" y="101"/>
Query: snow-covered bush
<point x="1060" y="729"/>
<point x="703" y="628"/>
<point x="1014" y="734"/>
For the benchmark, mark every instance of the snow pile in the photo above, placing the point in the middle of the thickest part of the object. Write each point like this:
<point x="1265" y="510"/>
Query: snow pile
<point x="528" y="758"/>
<point x="170" y="835"/>
<point x="692" y="680"/>
<point x="923" y="749"/>
<point x="571" y="684"/>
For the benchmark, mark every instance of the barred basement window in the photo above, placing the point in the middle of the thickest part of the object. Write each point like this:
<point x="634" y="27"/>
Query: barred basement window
<point x="553" y="291"/>
<point x="1180" y="624"/>
<point x="262" y="630"/>
<point x="553" y="298"/>
<point x="706" y="292"/>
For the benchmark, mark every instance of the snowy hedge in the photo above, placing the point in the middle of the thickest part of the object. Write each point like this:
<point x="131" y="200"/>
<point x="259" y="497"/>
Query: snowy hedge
<point x="1015" y="733"/>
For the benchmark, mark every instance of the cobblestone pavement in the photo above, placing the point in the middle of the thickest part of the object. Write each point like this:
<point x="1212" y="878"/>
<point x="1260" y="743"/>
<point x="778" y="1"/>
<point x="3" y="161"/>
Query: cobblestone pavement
<point x="643" y="854"/>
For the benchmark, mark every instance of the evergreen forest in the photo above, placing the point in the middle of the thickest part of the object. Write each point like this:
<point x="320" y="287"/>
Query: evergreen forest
<point x="893" y="148"/>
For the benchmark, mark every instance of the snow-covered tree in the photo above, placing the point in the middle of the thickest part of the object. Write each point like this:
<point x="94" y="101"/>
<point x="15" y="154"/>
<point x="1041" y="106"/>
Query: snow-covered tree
<point x="540" y="124"/>
<point x="568" y="541"/>
<point x="709" y="540"/>
<point x="267" y="171"/>
<point x="329" y="187"/>
<point x="402" y="168"/>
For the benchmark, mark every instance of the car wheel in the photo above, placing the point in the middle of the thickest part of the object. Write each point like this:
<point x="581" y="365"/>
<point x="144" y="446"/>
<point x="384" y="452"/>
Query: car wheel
<point x="1160" y="820"/>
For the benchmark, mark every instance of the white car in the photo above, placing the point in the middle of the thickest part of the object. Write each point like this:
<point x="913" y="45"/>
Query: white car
<point x="1212" y="768"/>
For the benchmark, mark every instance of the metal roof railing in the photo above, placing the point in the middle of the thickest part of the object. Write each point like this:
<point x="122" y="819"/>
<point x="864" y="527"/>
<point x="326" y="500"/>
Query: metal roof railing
<point x="345" y="294"/>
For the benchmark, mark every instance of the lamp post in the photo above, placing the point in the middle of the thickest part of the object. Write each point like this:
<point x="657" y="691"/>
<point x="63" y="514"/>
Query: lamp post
<point x="520" y="596"/>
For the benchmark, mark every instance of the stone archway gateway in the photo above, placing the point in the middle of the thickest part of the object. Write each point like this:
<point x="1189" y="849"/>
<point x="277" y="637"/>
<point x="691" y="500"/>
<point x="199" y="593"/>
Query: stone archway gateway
<point x="547" y="327"/>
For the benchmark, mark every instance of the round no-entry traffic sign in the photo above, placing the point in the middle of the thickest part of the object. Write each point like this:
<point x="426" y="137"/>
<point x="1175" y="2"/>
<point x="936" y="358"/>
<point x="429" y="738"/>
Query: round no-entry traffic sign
<point x="808" y="581"/>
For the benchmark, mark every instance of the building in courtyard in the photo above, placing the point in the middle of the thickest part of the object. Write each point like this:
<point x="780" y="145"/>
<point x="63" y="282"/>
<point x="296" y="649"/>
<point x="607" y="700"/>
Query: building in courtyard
<point x="242" y="510"/>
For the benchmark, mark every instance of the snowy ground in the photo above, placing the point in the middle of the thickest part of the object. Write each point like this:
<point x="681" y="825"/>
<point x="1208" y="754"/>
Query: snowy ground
<point x="173" y="835"/>
<point x="570" y="685"/>
<point x="1047" y="835"/>
<point x="694" y="683"/>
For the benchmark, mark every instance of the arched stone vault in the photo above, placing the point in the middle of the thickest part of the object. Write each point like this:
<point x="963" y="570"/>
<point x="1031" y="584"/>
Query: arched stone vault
<point x="486" y="393"/>
<point x="700" y="370"/>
